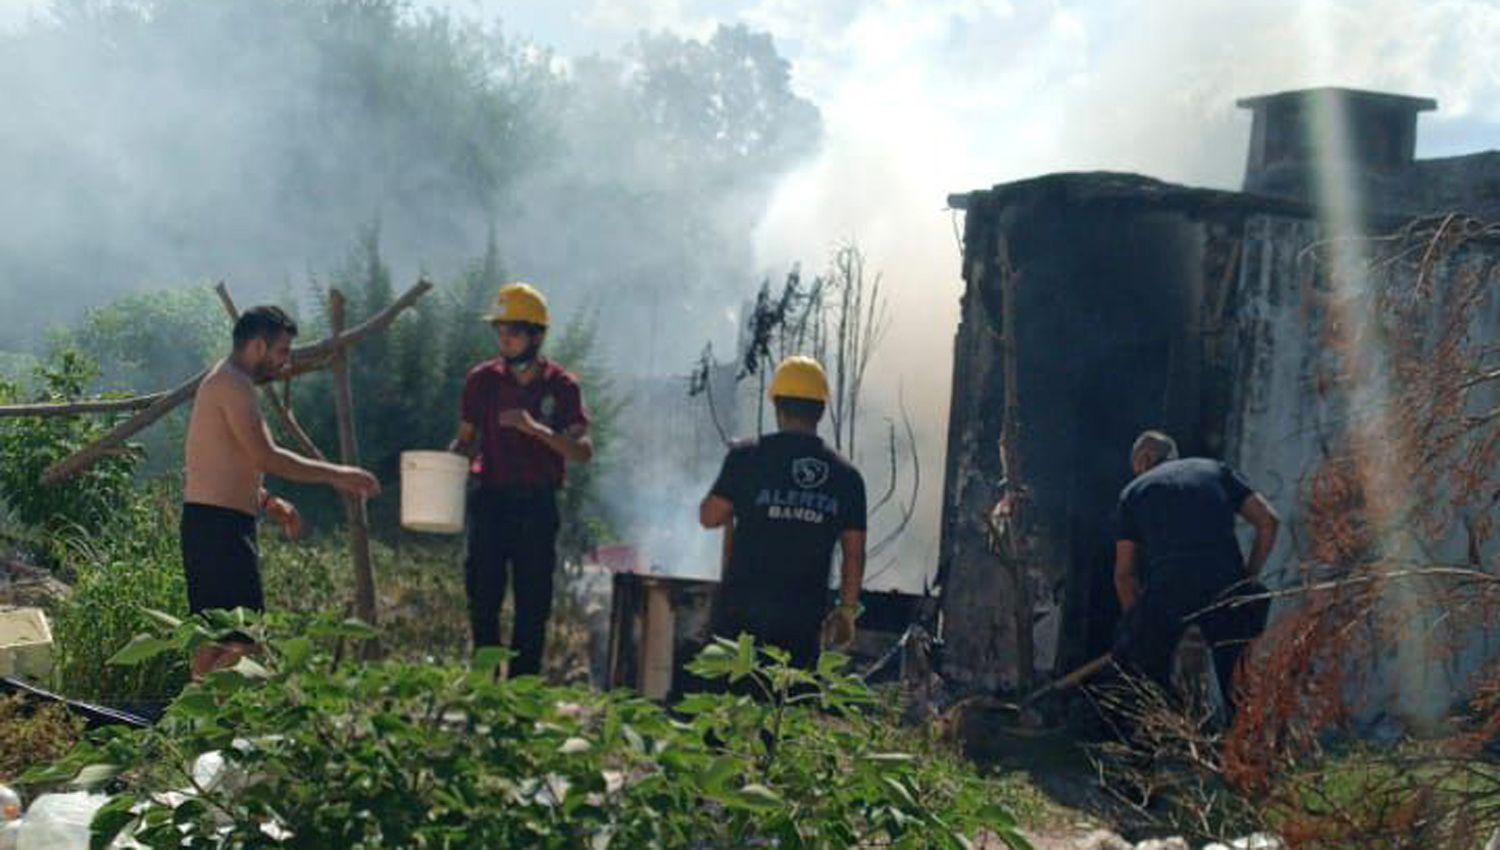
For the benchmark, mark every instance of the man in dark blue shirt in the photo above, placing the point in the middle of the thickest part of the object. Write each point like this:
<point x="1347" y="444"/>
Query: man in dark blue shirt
<point x="1176" y="555"/>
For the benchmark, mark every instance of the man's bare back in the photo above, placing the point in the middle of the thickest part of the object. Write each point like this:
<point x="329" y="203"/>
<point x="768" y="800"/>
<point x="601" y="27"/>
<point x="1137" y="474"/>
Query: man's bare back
<point x="219" y="469"/>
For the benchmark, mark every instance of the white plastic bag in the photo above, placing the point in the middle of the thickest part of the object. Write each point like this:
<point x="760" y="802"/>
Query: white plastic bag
<point x="59" y="821"/>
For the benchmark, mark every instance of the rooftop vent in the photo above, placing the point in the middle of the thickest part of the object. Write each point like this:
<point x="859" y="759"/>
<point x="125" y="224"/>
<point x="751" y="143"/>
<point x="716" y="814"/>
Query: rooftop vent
<point x="1380" y="131"/>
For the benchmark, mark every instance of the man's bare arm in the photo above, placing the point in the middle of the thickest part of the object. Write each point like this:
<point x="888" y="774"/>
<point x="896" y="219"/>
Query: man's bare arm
<point x="852" y="569"/>
<point x="715" y="511"/>
<point x="242" y="411"/>
<point x="1266" y="522"/>
<point x="1126" y="587"/>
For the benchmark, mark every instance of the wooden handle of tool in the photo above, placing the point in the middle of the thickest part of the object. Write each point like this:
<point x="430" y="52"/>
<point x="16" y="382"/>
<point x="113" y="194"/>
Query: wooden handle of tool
<point x="1073" y="679"/>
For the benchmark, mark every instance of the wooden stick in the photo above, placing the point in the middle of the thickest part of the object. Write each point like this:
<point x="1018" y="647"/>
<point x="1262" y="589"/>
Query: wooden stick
<point x="75" y="408"/>
<point x="1072" y="680"/>
<point x="283" y="410"/>
<point x="354" y="506"/>
<point x="314" y="357"/>
<point x="105" y="445"/>
<point x="307" y="359"/>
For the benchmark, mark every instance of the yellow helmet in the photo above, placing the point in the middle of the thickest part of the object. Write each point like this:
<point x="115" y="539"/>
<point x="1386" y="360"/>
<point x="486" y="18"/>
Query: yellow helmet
<point x="800" y="377"/>
<point x="519" y="302"/>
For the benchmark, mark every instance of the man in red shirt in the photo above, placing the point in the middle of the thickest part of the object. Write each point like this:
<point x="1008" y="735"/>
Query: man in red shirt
<point x="522" y="420"/>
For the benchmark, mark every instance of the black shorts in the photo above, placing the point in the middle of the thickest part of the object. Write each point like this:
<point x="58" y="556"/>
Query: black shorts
<point x="221" y="559"/>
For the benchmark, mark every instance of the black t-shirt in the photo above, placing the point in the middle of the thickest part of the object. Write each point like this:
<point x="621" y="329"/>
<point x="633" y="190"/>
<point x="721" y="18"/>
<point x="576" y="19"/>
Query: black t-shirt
<point x="793" y="497"/>
<point x="1181" y="513"/>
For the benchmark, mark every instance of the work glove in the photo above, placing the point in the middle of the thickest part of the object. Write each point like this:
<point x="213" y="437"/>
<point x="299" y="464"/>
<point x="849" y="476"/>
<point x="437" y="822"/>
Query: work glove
<point x="839" y="626"/>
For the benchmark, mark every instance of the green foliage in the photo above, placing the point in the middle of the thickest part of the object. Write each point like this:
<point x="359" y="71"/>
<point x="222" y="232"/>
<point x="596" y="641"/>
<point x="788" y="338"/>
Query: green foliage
<point x="422" y="607"/>
<point x="131" y="563"/>
<point x="17" y="366"/>
<point x="29" y="445"/>
<point x="152" y="341"/>
<point x="587" y="521"/>
<point x="321" y="752"/>
<point x="728" y="97"/>
<point x="358" y="107"/>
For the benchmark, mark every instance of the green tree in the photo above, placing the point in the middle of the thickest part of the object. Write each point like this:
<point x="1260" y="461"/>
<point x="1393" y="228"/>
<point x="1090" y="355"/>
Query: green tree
<point x="147" y="342"/>
<point x="29" y="445"/>
<point x="587" y="520"/>
<point x="669" y="153"/>
<point x="257" y="130"/>
<point x="726" y="104"/>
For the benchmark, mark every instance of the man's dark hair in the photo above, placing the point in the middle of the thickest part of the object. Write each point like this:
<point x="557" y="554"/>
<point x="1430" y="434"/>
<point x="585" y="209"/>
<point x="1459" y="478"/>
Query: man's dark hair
<point x="266" y="322"/>
<point x="803" y="410"/>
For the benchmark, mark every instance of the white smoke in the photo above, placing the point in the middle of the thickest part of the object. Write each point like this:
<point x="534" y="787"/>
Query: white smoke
<point x="924" y="99"/>
<point x="921" y="99"/>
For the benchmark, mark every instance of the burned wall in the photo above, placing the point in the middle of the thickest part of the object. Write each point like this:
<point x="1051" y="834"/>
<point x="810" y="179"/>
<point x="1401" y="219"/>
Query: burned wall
<point x="1291" y="415"/>
<point x="1099" y="305"/>
<point x="1089" y="305"/>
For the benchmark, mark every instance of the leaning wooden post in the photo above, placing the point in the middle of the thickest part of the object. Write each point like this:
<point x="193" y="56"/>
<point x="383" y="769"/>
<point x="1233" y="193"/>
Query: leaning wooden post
<point x="354" y="506"/>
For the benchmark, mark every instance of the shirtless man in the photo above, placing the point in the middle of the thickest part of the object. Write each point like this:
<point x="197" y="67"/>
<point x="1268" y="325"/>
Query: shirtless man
<point x="229" y="450"/>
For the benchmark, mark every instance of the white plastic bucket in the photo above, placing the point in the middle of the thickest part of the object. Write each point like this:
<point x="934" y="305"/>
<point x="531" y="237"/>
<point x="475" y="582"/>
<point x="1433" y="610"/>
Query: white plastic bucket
<point x="432" y="491"/>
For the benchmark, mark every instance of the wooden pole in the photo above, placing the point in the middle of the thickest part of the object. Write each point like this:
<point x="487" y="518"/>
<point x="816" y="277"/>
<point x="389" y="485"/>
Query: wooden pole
<point x="306" y="359"/>
<point x="109" y="443"/>
<point x="354" y="506"/>
<point x="75" y="408"/>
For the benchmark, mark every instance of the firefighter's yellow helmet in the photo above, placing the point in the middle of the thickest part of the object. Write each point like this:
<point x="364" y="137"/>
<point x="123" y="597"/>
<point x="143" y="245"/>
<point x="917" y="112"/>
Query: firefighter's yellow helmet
<point x="519" y="302"/>
<point x="800" y="377"/>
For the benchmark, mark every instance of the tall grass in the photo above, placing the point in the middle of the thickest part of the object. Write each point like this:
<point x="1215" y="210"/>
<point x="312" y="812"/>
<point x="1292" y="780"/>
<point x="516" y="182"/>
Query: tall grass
<point x="130" y="564"/>
<point x="134" y="563"/>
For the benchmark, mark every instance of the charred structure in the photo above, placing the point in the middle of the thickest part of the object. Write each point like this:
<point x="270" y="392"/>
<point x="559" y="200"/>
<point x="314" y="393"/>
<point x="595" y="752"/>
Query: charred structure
<point x="1097" y="305"/>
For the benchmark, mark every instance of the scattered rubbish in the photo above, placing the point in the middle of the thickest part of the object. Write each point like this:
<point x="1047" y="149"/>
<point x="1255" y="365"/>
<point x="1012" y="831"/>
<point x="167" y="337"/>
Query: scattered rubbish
<point x="94" y="715"/>
<point x="10" y="817"/>
<point x="59" y="821"/>
<point x="25" y="643"/>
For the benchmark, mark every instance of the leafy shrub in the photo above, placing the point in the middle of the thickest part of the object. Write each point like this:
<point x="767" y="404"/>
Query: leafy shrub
<point x="322" y="752"/>
<point x="131" y="563"/>
<point x="421" y="603"/>
<point x="29" y="445"/>
<point x="150" y="341"/>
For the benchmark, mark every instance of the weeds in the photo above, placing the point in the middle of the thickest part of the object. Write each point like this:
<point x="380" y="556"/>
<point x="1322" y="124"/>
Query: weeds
<point x="323" y="752"/>
<point x="33" y="736"/>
